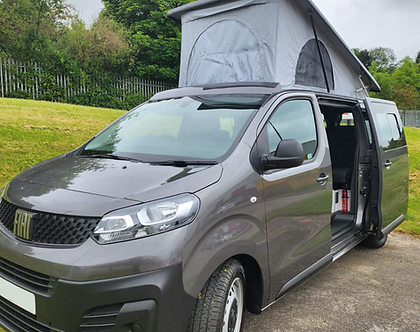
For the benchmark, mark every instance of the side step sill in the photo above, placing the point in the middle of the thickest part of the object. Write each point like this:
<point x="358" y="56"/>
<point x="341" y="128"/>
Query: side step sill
<point x="346" y="245"/>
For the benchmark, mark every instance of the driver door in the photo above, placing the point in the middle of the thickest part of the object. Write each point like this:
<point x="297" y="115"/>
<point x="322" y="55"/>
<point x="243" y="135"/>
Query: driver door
<point x="298" y="200"/>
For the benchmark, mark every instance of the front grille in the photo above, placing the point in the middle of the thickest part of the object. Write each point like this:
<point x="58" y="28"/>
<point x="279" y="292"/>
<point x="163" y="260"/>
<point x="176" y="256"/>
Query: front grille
<point x="19" y="320"/>
<point x="100" y="319"/>
<point x="7" y="214"/>
<point x="28" y="279"/>
<point x="52" y="228"/>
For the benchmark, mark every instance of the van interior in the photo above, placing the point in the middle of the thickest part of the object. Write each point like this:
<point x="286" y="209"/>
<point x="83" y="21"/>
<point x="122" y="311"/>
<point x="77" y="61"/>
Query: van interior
<point x="347" y="134"/>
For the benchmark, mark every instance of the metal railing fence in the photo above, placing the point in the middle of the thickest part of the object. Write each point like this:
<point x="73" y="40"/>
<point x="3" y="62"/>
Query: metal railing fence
<point x="32" y="80"/>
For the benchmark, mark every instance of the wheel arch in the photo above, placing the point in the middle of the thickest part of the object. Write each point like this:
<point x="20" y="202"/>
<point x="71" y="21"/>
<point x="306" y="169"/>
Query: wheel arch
<point x="254" y="288"/>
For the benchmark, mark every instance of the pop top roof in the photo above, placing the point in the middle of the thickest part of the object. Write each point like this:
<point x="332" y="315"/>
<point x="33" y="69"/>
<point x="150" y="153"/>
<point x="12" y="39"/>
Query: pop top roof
<point x="284" y="41"/>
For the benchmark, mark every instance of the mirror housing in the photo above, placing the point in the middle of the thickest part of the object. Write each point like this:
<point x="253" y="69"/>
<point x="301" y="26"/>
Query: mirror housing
<point x="289" y="153"/>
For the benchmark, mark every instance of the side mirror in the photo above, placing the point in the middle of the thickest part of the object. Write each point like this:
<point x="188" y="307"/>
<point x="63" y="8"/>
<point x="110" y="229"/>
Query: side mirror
<point x="289" y="153"/>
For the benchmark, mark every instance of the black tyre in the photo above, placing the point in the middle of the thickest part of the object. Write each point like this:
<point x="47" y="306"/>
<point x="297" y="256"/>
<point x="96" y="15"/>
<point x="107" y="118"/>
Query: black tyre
<point x="220" y="304"/>
<point x="372" y="241"/>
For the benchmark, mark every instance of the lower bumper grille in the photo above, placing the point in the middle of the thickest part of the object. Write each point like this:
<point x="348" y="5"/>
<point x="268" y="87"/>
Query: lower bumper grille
<point x="100" y="319"/>
<point x="19" y="320"/>
<point x="29" y="279"/>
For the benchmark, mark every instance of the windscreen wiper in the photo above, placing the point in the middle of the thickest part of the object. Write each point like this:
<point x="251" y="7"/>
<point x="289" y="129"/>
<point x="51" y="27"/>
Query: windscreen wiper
<point x="108" y="156"/>
<point x="184" y="163"/>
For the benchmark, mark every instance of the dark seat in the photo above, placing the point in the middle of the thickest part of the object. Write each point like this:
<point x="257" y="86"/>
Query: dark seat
<point x="342" y="141"/>
<point x="205" y="126"/>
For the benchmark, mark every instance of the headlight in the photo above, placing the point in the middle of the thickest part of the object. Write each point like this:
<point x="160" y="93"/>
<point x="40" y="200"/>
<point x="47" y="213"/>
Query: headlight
<point x="147" y="219"/>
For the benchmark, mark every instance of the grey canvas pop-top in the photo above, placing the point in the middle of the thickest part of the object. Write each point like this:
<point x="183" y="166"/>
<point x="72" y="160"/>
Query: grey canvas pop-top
<point x="266" y="41"/>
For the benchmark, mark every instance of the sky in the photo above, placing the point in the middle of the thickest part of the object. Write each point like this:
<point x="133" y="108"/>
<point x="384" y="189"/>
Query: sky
<point x="88" y="9"/>
<point x="367" y="24"/>
<point x="363" y="24"/>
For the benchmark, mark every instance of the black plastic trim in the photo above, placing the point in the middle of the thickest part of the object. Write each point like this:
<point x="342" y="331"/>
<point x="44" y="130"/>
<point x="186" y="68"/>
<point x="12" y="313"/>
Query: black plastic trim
<point x="155" y="300"/>
<point x="301" y="277"/>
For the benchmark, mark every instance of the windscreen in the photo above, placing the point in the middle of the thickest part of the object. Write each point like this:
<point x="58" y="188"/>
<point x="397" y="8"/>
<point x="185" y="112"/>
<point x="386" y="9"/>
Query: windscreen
<point x="198" y="128"/>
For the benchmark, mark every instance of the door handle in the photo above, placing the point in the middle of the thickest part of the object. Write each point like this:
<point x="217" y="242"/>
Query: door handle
<point x="387" y="164"/>
<point x="322" y="179"/>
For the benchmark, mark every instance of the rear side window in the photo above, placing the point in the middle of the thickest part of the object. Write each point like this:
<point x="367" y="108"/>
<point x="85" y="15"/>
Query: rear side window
<point x="293" y="119"/>
<point x="390" y="133"/>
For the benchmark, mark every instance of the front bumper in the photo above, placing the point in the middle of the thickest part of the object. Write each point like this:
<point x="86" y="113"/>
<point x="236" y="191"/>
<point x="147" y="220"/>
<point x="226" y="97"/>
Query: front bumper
<point x="147" y="302"/>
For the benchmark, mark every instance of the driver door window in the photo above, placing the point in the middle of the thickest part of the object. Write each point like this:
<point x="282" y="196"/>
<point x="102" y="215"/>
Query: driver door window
<point x="293" y="119"/>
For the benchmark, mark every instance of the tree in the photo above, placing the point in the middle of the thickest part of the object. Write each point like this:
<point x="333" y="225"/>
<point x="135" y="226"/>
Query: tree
<point x="405" y="96"/>
<point x="14" y="18"/>
<point x="364" y="56"/>
<point x="418" y="58"/>
<point x="384" y="57"/>
<point x="408" y="72"/>
<point x="29" y="28"/>
<point x="156" y="39"/>
<point x="406" y="84"/>
<point x="384" y="80"/>
<point x="104" y="47"/>
<point x="402" y="86"/>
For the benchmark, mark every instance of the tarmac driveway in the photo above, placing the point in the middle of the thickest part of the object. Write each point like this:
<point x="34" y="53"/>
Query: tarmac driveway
<point x="364" y="290"/>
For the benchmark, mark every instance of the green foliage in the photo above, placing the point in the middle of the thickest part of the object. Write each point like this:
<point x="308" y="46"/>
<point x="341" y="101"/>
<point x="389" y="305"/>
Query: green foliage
<point x="385" y="82"/>
<point x="130" y="38"/>
<point x="29" y="28"/>
<point x="92" y="59"/>
<point x="156" y="38"/>
<point x="104" y="47"/>
<point x="384" y="57"/>
<point x="407" y="85"/>
<point x="399" y="82"/>
<point x="364" y="56"/>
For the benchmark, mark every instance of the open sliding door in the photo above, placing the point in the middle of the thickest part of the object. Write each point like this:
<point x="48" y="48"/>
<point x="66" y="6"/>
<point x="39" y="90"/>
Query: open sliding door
<point x="390" y="177"/>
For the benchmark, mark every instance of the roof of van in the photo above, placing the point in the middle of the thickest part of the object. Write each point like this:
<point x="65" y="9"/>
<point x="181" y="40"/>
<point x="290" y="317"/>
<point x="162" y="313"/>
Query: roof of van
<point x="240" y="88"/>
<point x="290" y="17"/>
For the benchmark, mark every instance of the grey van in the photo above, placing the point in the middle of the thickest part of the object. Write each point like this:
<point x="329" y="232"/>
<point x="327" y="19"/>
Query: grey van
<point x="214" y="198"/>
<point x="196" y="205"/>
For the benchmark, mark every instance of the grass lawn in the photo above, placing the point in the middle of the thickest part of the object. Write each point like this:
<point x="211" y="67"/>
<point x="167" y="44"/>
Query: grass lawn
<point x="32" y="131"/>
<point x="412" y="223"/>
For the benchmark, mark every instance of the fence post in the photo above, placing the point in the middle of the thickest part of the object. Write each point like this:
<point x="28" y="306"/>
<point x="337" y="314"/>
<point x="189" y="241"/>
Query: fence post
<point x="1" y="77"/>
<point x="37" y="73"/>
<point x="5" y="78"/>
<point x="10" y="76"/>
<point x="26" y="82"/>
<point x="33" y="81"/>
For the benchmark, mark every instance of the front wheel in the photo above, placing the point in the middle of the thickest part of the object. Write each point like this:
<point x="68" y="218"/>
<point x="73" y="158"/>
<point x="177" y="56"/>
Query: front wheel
<point x="220" y="304"/>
